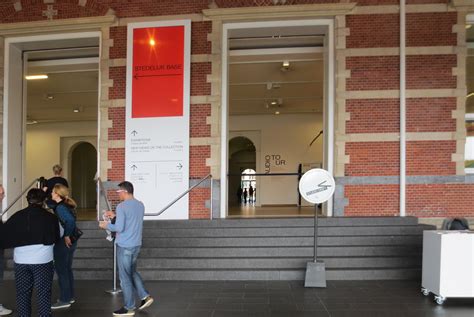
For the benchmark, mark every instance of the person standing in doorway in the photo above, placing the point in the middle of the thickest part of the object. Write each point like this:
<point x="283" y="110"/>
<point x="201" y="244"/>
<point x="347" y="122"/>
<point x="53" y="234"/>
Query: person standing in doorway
<point x="251" y="194"/>
<point x="239" y="195"/>
<point x="3" y="310"/>
<point x="56" y="179"/>
<point x="245" y="195"/>
<point x="64" y="249"/>
<point x="129" y="227"/>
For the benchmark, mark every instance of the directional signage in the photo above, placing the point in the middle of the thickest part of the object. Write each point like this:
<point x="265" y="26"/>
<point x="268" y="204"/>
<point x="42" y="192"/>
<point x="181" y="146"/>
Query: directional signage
<point x="317" y="186"/>
<point x="157" y="114"/>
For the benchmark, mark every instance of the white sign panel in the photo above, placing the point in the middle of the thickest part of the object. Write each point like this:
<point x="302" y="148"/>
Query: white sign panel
<point x="157" y="115"/>
<point x="317" y="186"/>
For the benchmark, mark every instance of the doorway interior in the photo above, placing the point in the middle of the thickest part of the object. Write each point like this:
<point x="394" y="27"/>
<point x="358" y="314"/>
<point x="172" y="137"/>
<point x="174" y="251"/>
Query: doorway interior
<point x="58" y="80"/>
<point x="278" y="83"/>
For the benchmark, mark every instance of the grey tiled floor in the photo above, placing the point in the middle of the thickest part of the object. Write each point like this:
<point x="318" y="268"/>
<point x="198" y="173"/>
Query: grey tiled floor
<point x="236" y="299"/>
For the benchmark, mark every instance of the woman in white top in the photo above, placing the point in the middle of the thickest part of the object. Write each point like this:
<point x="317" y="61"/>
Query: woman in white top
<point x="32" y="232"/>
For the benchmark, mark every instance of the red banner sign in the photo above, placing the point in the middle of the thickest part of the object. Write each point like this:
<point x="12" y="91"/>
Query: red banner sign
<point x="157" y="72"/>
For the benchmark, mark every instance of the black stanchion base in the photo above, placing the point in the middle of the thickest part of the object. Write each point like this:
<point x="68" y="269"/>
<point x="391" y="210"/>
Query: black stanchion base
<point x="114" y="291"/>
<point x="315" y="274"/>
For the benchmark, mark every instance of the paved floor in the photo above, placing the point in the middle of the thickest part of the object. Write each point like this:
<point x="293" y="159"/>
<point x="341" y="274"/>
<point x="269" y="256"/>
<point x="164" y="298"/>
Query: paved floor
<point x="236" y="299"/>
<point x="251" y="211"/>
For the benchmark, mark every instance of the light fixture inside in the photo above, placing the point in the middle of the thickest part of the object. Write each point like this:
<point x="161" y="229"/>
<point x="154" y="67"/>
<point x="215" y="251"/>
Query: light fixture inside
<point x="286" y="64"/>
<point x="470" y="94"/>
<point x="468" y="26"/>
<point x="277" y="112"/>
<point x="152" y="42"/>
<point x="48" y="97"/>
<point x="36" y="77"/>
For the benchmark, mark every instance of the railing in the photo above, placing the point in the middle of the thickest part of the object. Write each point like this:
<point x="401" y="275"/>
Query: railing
<point x="103" y="193"/>
<point x="209" y="176"/>
<point x="37" y="181"/>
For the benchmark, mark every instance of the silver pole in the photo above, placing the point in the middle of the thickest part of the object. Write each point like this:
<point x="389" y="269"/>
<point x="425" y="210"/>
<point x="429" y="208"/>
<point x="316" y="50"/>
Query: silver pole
<point x="114" y="290"/>
<point x="315" y="232"/>
<point x="211" y="196"/>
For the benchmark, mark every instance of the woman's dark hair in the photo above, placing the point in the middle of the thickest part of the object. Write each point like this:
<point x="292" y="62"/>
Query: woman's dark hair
<point x="35" y="196"/>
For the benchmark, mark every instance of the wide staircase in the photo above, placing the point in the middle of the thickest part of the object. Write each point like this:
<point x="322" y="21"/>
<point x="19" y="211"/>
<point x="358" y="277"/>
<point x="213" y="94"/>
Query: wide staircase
<point x="364" y="248"/>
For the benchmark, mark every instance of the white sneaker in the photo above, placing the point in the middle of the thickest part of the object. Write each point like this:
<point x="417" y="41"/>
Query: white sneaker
<point x="4" y="311"/>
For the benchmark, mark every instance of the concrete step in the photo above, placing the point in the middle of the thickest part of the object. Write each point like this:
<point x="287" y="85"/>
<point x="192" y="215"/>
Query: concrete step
<point x="273" y="222"/>
<point x="270" y="232"/>
<point x="261" y="249"/>
<point x="264" y="241"/>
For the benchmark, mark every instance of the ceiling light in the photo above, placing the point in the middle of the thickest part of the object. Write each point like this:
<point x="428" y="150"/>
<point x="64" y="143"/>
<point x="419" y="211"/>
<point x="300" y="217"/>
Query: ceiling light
<point x="274" y="103"/>
<point x="152" y="42"/>
<point x="35" y="77"/>
<point x="49" y="97"/>
<point x="277" y="112"/>
<point x="286" y="64"/>
<point x="78" y="109"/>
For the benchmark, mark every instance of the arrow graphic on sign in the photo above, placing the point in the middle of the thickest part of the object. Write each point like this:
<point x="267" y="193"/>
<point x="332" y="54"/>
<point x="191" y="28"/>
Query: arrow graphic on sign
<point x="136" y="76"/>
<point x="179" y="166"/>
<point x="134" y="132"/>
<point x="134" y="167"/>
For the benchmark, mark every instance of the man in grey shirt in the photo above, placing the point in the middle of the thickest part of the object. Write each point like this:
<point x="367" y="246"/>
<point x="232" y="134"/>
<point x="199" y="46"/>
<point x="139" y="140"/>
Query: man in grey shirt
<point x="129" y="228"/>
<point x="3" y="310"/>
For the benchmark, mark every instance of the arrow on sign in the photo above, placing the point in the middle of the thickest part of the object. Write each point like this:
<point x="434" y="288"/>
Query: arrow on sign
<point x="136" y="76"/>
<point x="134" y="132"/>
<point x="134" y="167"/>
<point x="179" y="166"/>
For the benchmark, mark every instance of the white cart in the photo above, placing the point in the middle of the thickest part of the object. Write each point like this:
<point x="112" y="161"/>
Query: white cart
<point x="448" y="264"/>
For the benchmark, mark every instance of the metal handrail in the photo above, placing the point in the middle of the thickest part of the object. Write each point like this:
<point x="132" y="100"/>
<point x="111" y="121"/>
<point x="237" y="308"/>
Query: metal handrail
<point x="182" y="195"/>
<point x="19" y="196"/>
<point x="103" y="193"/>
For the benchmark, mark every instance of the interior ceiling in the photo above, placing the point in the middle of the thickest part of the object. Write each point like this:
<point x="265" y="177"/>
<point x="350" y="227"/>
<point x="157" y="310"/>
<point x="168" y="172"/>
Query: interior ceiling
<point x="72" y="84"/>
<point x="258" y="81"/>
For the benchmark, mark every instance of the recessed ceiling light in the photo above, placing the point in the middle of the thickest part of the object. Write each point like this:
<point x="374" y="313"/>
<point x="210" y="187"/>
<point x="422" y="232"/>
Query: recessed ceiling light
<point x="35" y="77"/>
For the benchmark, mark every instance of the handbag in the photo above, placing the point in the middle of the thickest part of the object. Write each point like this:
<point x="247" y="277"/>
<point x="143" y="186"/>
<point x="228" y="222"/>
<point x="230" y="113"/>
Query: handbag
<point x="76" y="234"/>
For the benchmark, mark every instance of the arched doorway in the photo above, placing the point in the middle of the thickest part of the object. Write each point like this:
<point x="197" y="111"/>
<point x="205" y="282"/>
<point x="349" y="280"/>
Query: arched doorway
<point x="242" y="156"/>
<point x="83" y="169"/>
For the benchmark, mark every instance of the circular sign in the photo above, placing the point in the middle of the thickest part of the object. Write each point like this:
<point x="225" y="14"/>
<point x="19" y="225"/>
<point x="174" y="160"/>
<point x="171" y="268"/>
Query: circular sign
<point x="317" y="186"/>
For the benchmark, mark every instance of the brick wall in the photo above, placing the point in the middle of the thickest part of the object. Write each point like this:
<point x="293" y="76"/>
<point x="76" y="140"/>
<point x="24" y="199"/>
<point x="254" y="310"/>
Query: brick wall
<point x="367" y="116"/>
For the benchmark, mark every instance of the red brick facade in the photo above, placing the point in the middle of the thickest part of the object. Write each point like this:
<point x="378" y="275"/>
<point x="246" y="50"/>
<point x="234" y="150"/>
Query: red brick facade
<point x="367" y="116"/>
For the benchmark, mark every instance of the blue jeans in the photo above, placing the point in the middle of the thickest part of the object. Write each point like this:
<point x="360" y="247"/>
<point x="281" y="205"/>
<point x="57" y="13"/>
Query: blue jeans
<point x="130" y="281"/>
<point x="63" y="257"/>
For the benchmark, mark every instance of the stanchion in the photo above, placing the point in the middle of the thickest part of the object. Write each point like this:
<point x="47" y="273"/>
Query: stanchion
<point x="114" y="290"/>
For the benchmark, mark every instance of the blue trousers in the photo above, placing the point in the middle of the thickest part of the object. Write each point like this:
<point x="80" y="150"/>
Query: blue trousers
<point x="63" y="257"/>
<point x="39" y="277"/>
<point x="130" y="281"/>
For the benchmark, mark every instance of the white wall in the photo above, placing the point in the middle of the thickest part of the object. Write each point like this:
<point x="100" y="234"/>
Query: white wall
<point x="288" y="136"/>
<point x="43" y="144"/>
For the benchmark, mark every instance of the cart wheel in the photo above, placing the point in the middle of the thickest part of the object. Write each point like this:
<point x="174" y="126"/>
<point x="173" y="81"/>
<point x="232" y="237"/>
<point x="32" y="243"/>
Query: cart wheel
<point x="425" y="292"/>
<point x="440" y="300"/>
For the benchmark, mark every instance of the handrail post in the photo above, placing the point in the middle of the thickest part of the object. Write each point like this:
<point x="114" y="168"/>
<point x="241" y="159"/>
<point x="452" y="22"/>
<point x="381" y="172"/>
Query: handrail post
<point x="212" y="198"/>
<point x="102" y="191"/>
